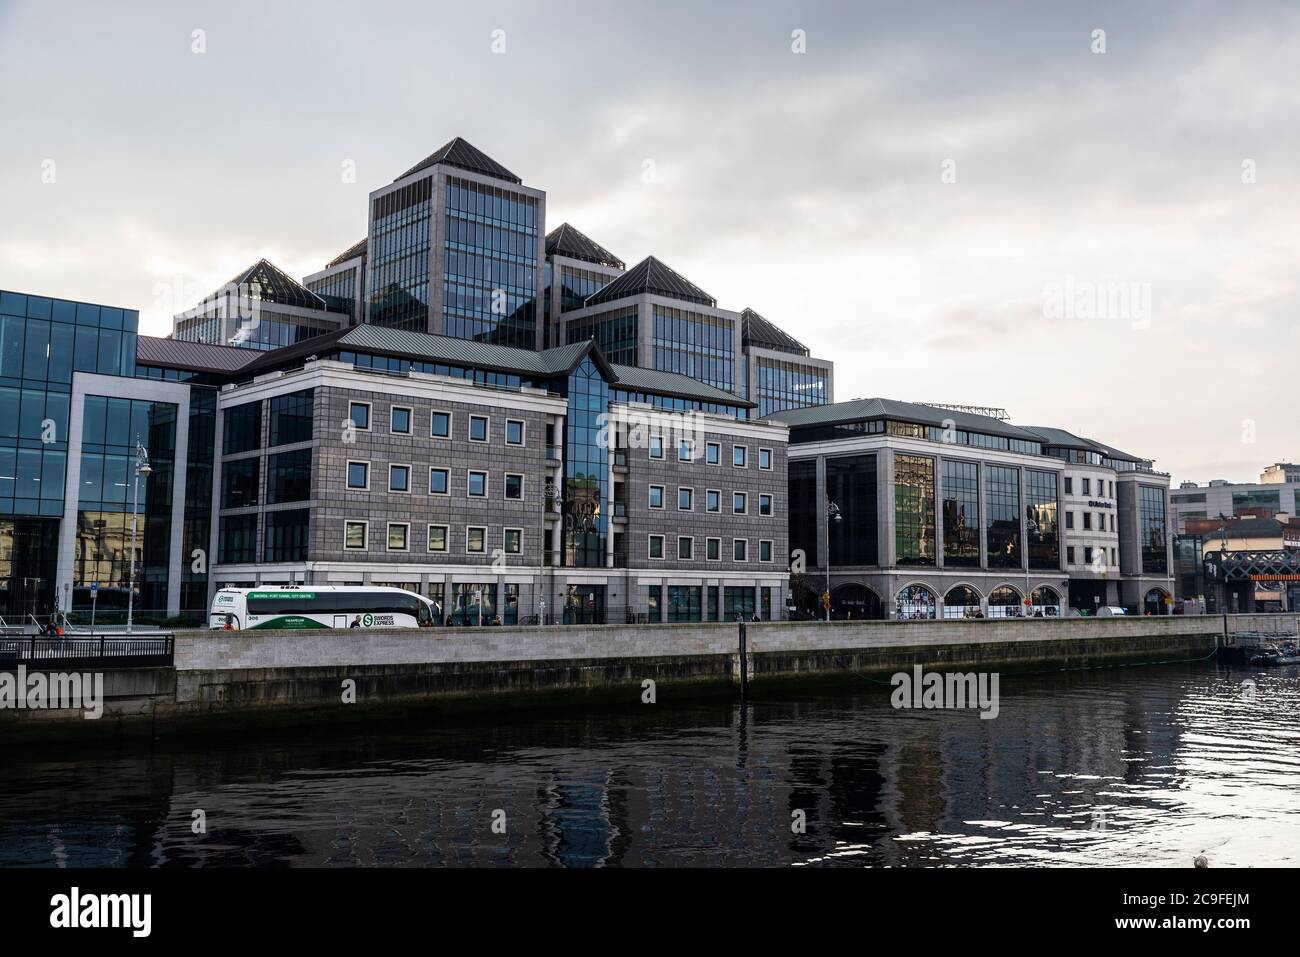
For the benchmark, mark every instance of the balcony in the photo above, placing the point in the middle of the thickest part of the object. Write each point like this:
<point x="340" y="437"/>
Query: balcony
<point x="620" y="458"/>
<point x="620" y="511"/>
<point x="555" y="453"/>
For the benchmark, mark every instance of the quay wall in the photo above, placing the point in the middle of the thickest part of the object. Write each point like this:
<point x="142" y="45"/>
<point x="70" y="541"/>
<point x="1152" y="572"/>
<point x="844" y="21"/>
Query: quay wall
<point x="222" y="681"/>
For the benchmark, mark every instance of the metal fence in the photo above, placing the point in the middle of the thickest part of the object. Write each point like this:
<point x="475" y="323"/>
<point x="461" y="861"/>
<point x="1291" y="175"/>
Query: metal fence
<point x="102" y="651"/>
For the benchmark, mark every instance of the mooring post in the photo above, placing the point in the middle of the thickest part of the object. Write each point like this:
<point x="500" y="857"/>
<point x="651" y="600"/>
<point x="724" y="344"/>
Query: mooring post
<point x="744" y="662"/>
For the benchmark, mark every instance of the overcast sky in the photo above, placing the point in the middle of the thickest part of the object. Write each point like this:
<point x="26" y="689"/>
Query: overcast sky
<point x="915" y="196"/>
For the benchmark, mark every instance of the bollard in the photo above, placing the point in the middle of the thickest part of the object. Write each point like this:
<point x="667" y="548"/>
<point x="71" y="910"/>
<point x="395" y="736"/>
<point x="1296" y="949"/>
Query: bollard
<point x="744" y="664"/>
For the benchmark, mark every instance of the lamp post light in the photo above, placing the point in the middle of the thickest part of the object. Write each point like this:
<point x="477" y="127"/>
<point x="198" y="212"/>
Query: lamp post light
<point x="832" y="515"/>
<point x="142" y="467"/>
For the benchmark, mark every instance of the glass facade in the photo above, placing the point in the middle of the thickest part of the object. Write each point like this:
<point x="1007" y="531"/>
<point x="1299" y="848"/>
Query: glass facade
<point x="286" y="535"/>
<point x="339" y="290"/>
<point x="615" y="332"/>
<point x="685" y="603"/>
<point x="103" y="537"/>
<point x="1255" y="499"/>
<point x="399" y="256"/>
<point x="701" y="347"/>
<point x="1042" y="531"/>
<point x="914" y="510"/>
<point x="273" y="330"/>
<point x="586" y="469"/>
<point x="961" y="514"/>
<point x="291" y="418"/>
<point x="1002" y="497"/>
<point x="851" y="486"/>
<point x="802" y="483"/>
<point x="781" y="384"/>
<point x="1151" y="520"/>
<point x="490" y="287"/>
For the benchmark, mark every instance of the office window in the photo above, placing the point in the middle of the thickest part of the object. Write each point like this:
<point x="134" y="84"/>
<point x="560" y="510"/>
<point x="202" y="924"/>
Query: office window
<point x="239" y="481"/>
<point x="400" y="420"/>
<point x="475" y="539"/>
<point x="440" y="425"/>
<point x="243" y="424"/>
<point x="1069" y="486"/>
<point x="740" y="549"/>
<point x="514" y="432"/>
<point x="355" y="534"/>
<point x="288" y="476"/>
<point x="656" y="546"/>
<point x="739" y="503"/>
<point x="1069" y="554"/>
<point x="914" y="506"/>
<point x="765" y="505"/>
<point x="764" y="551"/>
<point x="1087" y="521"/>
<point x="685" y="499"/>
<point x="1087" y="486"/>
<point x="439" y="481"/>
<point x="437" y="538"/>
<point x="713" y="453"/>
<point x="713" y="549"/>
<point x="656" y="447"/>
<point x="359" y="475"/>
<point x="514" y="486"/>
<point x="1069" y="520"/>
<point x="685" y="451"/>
<point x="656" y="496"/>
<point x="291" y="418"/>
<point x="286" y="535"/>
<point x="713" y="500"/>
<point x="398" y="533"/>
<point x="477" y="485"/>
<point x="685" y="546"/>
<point x="399" y="478"/>
<point x="512" y="541"/>
<point x="1112" y="521"/>
<point x="478" y="428"/>
<point x="738" y="454"/>
<point x="359" y="413"/>
<point x="765" y="459"/>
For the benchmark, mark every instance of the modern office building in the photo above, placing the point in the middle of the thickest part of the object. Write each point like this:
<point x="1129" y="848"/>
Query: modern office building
<point x="780" y="372"/>
<point x="576" y="267"/>
<point x="905" y="510"/>
<point x="261" y="308"/>
<point x="455" y="247"/>
<point x="342" y="283"/>
<point x="1277" y="492"/>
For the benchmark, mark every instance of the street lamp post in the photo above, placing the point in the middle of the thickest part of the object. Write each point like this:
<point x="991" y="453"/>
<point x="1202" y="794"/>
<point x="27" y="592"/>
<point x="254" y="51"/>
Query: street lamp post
<point x="832" y="515"/>
<point x="142" y="467"/>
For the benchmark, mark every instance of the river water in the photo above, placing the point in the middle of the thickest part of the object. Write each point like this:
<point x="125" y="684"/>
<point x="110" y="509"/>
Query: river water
<point x="1138" y="766"/>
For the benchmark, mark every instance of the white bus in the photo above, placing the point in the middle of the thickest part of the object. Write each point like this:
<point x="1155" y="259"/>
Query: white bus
<point x="320" y="606"/>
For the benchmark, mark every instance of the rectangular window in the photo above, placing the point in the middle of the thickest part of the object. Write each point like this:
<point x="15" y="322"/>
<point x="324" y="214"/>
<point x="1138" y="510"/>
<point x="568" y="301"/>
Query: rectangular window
<point x="685" y="451"/>
<point x="1087" y="554"/>
<point x="475" y="539"/>
<point x="440" y="425"/>
<point x="359" y="476"/>
<point x="713" y="453"/>
<point x="514" y="432"/>
<point x="477" y="485"/>
<point x="685" y="499"/>
<point x="243" y="428"/>
<point x="764" y="551"/>
<point x="439" y="481"/>
<point x="1087" y="486"/>
<point x="437" y="538"/>
<point x="1112" y="522"/>
<point x="239" y="482"/>
<point x="765" y="459"/>
<point x="1002" y="524"/>
<point x="512" y="541"/>
<point x="399" y="478"/>
<point x="478" y="428"/>
<point x="654" y="612"/>
<point x="400" y="420"/>
<point x="398" y="532"/>
<point x="286" y="535"/>
<point x="656" y="447"/>
<point x="740" y="549"/>
<point x="355" y="534"/>
<point x="1069" y="486"/>
<point x="1087" y="521"/>
<point x="656" y="496"/>
<point x="238" y="539"/>
<point x="1069" y="554"/>
<point x="713" y="500"/>
<point x="765" y="505"/>
<point x="514" y="486"/>
<point x="656" y="548"/>
<point x="739" y="503"/>
<point x="713" y="549"/>
<point x="291" y="418"/>
<point x="738" y="454"/>
<point x="685" y="546"/>
<point x="288" y="476"/>
<point x="359" y="413"/>
<point x="1069" y="520"/>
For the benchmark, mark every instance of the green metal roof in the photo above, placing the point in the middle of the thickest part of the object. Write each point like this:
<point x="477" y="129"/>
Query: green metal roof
<point x="857" y="410"/>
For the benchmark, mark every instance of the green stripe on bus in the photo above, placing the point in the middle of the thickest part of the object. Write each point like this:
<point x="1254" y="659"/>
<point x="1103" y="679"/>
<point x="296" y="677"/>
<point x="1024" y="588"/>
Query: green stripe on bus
<point x="290" y="621"/>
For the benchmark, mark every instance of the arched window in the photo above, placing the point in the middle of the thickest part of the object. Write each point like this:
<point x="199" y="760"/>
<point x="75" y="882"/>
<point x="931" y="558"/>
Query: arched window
<point x="1154" y="602"/>
<point x="854" y="602"/>
<point x="1047" y="602"/>
<point x="961" y="602"/>
<point x="1004" y="602"/>
<point x="915" y="601"/>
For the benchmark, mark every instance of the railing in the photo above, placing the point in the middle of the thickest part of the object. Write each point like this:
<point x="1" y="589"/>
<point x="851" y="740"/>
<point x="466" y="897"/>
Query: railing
<point x="555" y="453"/>
<point x="620" y="458"/>
<point x="101" y="651"/>
<point x="620" y="509"/>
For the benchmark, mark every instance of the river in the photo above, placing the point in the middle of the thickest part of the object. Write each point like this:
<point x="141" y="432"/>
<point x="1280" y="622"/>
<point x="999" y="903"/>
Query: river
<point x="1137" y="766"/>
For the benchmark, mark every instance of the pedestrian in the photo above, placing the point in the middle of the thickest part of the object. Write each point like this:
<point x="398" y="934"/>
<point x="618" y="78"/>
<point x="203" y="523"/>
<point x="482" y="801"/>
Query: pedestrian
<point x="356" y="622"/>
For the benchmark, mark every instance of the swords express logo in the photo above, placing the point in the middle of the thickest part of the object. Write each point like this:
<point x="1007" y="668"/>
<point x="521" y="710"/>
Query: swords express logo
<point x="378" y="621"/>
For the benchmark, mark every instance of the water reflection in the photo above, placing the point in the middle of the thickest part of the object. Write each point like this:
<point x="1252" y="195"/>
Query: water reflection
<point x="1139" y="766"/>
